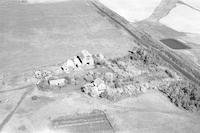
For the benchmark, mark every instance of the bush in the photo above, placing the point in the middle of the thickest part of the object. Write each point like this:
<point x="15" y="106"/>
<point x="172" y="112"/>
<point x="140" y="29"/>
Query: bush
<point x="183" y="94"/>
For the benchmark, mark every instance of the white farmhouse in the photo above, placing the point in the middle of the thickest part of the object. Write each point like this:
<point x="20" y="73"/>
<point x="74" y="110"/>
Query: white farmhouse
<point x="68" y="66"/>
<point x="87" y="58"/>
<point x="77" y="62"/>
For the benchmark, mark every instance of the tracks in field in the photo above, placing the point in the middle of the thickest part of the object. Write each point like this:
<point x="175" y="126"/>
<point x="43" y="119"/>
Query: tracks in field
<point x="15" y="89"/>
<point x="94" y="122"/>
<point x="9" y="116"/>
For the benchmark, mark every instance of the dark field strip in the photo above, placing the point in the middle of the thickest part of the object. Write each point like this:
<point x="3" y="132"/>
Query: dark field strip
<point x="174" y="44"/>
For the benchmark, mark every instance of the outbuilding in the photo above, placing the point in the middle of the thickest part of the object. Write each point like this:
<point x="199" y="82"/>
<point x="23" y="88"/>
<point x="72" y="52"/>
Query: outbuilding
<point x="57" y="82"/>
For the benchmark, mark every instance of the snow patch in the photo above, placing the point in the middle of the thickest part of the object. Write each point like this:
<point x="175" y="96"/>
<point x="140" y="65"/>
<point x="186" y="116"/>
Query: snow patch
<point x="132" y="10"/>
<point x="183" y="19"/>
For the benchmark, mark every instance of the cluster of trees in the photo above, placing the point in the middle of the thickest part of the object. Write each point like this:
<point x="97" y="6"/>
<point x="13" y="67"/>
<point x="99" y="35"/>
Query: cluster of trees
<point x="184" y="94"/>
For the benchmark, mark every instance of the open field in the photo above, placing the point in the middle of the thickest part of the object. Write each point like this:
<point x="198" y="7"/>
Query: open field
<point x="147" y="86"/>
<point x="46" y="34"/>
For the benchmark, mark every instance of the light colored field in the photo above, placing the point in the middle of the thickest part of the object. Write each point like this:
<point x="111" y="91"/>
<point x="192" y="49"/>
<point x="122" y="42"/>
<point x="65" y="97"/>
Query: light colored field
<point x="132" y="10"/>
<point x="189" y="22"/>
<point x="137" y="10"/>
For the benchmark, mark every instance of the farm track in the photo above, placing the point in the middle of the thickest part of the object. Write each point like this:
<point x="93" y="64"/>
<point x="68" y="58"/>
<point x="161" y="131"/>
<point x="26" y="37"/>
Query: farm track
<point x="187" y="69"/>
<point x="11" y="113"/>
<point x="16" y="89"/>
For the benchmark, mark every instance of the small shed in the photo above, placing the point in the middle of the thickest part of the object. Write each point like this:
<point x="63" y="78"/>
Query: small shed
<point x="57" y="82"/>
